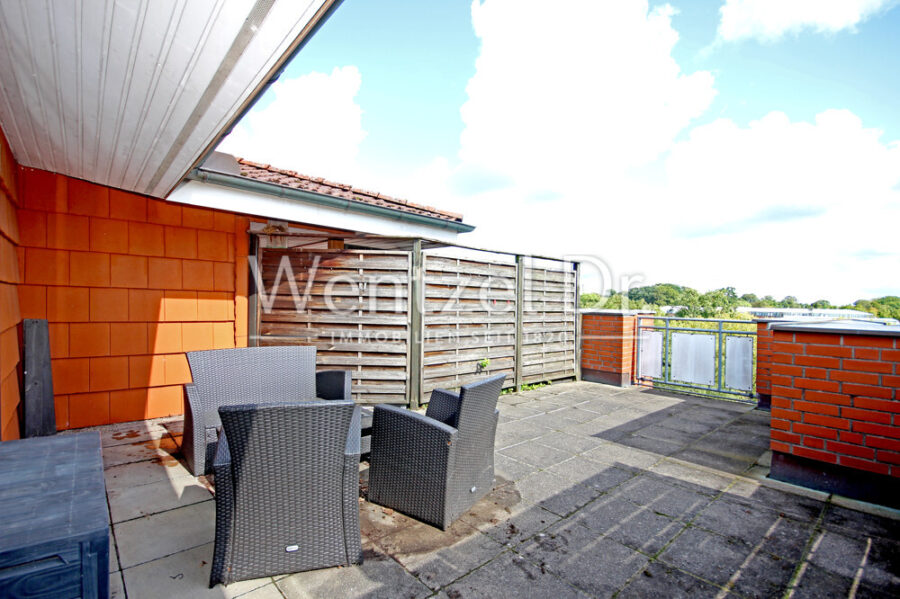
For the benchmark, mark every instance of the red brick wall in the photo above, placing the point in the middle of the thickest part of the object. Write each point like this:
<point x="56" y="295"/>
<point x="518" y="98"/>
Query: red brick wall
<point x="763" y="358"/>
<point x="128" y="284"/>
<point x="607" y="346"/>
<point x="836" y="399"/>
<point x="10" y="315"/>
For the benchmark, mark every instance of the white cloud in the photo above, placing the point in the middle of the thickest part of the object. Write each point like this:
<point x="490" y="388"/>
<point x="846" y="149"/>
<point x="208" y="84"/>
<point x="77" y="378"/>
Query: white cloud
<point x="313" y="125"/>
<point x="768" y="20"/>
<point x="571" y="91"/>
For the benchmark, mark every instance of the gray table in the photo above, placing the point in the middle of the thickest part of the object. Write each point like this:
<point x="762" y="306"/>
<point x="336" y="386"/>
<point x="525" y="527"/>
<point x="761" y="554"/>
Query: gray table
<point x="54" y="524"/>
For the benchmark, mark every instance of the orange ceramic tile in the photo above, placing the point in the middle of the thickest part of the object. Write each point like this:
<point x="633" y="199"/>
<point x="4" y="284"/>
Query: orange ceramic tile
<point x="197" y="218"/>
<point x="128" y="271"/>
<point x="33" y="301"/>
<point x="9" y="262"/>
<point x="212" y="245"/>
<point x="127" y="206"/>
<point x="231" y="252"/>
<point x="59" y="340"/>
<point x="88" y="409"/>
<point x="163" y="213"/>
<point x="241" y="237"/>
<point x="9" y="352"/>
<point x="127" y="406"/>
<point x="145" y="239"/>
<point x="43" y="190"/>
<point x="181" y="243"/>
<point x="20" y="254"/>
<point x="68" y="304"/>
<point x="180" y="306"/>
<point x="109" y="305"/>
<point x="165" y="337"/>
<point x="68" y="232"/>
<point x="197" y="274"/>
<point x="88" y="198"/>
<point x="89" y="269"/>
<point x="177" y="370"/>
<point x="10" y="313"/>
<point x="223" y="221"/>
<point x="223" y="335"/>
<point x="32" y="228"/>
<point x="197" y="336"/>
<point x="223" y="276"/>
<point x="108" y="373"/>
<point x="109" y="235"/>
<point x="145" y="305"/>
<point x="146" y="371"/>
<point x="165" y="273"/>
<point x="127" y="338"/>
<point x="61" y="406"/>
<point x="71" y="375"/>
<point x="46" y="267"/>
<point x="165" y="401"/>
<point x="88" y="339"/>
<point x="212" y="305"/>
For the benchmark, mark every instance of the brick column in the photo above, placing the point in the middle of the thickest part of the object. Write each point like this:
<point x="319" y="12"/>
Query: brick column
<point x="764" y="364"/>
<point x="608" y="346"/>
<point x="836" y="409"/>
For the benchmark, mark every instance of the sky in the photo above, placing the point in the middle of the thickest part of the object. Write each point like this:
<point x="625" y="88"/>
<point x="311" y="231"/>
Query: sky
<point x="745" y="143"/>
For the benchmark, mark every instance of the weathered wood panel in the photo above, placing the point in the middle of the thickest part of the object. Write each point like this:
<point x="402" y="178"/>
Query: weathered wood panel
<point x="549" y="320"/>
<point x="352" y="305"/>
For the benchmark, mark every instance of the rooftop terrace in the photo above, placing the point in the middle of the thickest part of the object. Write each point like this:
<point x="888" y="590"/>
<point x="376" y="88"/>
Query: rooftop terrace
<point x="600" y="492"/>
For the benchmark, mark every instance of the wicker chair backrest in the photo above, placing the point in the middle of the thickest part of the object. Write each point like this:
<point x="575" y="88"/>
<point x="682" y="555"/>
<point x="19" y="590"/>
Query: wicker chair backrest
<point x="287" y="468"/>
<point x="253" y="375"/>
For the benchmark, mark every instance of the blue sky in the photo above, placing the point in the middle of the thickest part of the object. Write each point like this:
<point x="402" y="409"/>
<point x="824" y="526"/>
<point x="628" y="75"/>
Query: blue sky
<point x="745" y="140"/>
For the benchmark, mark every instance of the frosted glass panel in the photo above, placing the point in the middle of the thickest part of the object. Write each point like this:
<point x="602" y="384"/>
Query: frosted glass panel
<point x="651" y="353"/>
<point x="693" y="358"/>
<point x="738" y="362"/>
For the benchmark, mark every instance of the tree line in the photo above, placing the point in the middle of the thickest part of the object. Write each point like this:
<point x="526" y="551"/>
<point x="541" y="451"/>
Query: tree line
<point x="721" y="303"/>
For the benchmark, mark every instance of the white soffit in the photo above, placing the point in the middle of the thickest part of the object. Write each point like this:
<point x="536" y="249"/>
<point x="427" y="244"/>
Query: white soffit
<point x="131" y="93"/>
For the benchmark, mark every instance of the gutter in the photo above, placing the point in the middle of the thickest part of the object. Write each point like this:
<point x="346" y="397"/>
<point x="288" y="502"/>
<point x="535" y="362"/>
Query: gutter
<point x="319" y="199"/>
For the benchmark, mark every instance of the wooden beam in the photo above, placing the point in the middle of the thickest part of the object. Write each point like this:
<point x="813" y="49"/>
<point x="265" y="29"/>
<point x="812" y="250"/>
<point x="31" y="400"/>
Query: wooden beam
<point x="520" y="298"/>
<point x="416" y="325"/>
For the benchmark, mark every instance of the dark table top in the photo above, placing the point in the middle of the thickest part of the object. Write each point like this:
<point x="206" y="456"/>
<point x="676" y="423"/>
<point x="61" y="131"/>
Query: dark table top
<point x="51" y="488"/>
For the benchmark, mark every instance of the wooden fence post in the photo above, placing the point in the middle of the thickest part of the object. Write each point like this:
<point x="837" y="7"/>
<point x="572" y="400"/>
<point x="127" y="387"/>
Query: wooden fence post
<point x="520" y="297"/>
<point x="416" y="325"/>
<point x="577" y="321"/>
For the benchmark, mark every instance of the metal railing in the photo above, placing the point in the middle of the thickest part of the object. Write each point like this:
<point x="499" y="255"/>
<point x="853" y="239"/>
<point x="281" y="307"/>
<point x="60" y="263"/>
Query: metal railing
<point x="680" y="358"/>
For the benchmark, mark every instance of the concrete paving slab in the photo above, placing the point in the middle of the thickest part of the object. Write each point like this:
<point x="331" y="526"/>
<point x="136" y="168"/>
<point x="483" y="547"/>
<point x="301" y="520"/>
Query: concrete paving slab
<point x="576" y="554"/>
<point x="637" y="527"/>
<point x="692" y="476"/>
<point x="568" y="442"/>
<point x="113" y="553"/>
<point x="622" y="455"/>
<point x="116" y="586"/>
<point x="737" y="520"/>
<point x="662" y="580"/>
<point x="816" y="583"/>
<point x="536" y="454"/>
<point x="661" y="496"/>
<point x="184" y="575"/>
<point x="706" y="555"/>
<point x="131" y="432"/>
<point x="762" y="575"/>
<point x="511" y="469"/>
<point x="163" y="534"/>
<point x="795" y="506"/>
<point x="378" y="577"/>
<point x="161" y="449"/>
<point x="134" y="502"/>
<point x="852" y="523"/>
<point x="162" y="469"/>
<point x="511" y="575"/>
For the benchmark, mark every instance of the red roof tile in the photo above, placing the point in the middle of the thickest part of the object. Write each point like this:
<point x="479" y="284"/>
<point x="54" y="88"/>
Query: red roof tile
<point x="270" y="174"/>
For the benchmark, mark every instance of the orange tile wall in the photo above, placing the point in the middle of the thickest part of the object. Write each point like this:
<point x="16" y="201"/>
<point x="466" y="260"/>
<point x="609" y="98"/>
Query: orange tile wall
<point x="10" y="315"/>
<point x="128" y="284"/>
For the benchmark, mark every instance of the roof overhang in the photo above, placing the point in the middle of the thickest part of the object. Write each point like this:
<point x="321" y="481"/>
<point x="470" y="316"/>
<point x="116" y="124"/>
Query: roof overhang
<point x="134" y="95"/>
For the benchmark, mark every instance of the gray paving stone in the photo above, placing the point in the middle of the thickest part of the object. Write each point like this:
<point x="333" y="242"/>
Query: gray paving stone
<point x="707" y="555"/>
<point x="438" y="557"/>
<point x="116" y="586"/>
<point x="855" y="523"/>
<point x="146" y="472"/>
<point x="577" y="555"/>
<point x="159" y="535"/>
<point x="579" y="469"/>
<point x="160" y="449"/>
<point x="632" y="525"/>
<point x="134" y="502"/>
<point x="737" y="520"/>
<point x="511" y="575"/>
<point x="511" y="469"/>
<point x="661" y="580"/>
<point x="661" y="496"/>
<point x="790" y="504"/>
<point x="571" y="443"/>
<point x="654" y="446"/>
<point x="697" y="479"/>
<point x="763" y="576"/>
<point x="183" y="575"/>
<point x="622" y="455"/>
<point x="113" y="553"/>
<point x="556" y="493"/>
<point x="131" y="432"/>
<point x="875" y="558"/>
<point x="816" y="583"/>
<point x="715" y="460"/>
<point x="536" y="454"/>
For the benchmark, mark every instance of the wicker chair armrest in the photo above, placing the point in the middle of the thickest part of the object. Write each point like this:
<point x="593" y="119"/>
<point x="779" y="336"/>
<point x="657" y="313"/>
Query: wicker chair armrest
<point x="395" y="429"/>
<point x="333" y="384"/>
<point x="193" y="397"/>
<point x="353" y="436"/>
<point x="444" y="407"/>
<point x="223" y="456"/>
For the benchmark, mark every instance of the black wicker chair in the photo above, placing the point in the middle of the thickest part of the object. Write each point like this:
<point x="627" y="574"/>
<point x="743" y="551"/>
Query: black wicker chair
<point x="249" y="375"/>
<point x="435" y="467"/>
<point x="287" y="489"/>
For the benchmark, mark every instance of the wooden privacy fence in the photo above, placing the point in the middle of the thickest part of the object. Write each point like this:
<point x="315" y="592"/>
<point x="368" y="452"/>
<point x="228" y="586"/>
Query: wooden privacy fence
<point x="406" y="322"/>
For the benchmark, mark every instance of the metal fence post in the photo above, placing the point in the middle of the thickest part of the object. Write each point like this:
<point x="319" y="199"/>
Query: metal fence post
<point x="520" y="297"/>
<point x="416" y="325"/>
